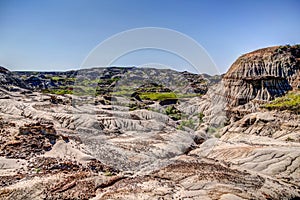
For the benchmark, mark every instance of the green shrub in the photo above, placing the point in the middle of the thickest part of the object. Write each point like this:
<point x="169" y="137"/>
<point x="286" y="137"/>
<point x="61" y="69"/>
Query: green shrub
<point x="190" y="123"/>
<point x="173" y="112"/>
<point x="289" y="139"/>
<point x="108" y="173"/>
<point x="170" y="110"/>
<point x="217" y="135"/>
<point x="200" y="116"/>
<point x="290" y="101"/>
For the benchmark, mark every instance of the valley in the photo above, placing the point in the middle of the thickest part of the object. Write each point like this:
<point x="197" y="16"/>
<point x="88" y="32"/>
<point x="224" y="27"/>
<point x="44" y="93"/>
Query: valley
<point x="146" y="133"/>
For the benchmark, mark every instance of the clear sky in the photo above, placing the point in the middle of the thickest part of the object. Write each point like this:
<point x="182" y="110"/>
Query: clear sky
<point x="59" y="34"/>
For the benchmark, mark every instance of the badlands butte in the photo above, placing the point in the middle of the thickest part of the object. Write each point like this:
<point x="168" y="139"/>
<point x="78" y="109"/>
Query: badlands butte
<point x="146" y="133"/>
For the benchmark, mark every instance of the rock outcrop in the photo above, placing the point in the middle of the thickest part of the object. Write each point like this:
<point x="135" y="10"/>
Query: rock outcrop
<point x="253" y="79"/>
<point x="263" y="74"/>
<point x="9" y="80"/>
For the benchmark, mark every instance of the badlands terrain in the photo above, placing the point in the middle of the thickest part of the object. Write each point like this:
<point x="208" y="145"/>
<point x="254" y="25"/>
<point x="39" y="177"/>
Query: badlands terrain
<point x="146" y="133"/>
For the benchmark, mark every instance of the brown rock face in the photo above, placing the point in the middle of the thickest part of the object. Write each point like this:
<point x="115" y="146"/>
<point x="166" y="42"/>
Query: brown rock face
<point x="263" y="74"/>
<point x="32" y="139"/>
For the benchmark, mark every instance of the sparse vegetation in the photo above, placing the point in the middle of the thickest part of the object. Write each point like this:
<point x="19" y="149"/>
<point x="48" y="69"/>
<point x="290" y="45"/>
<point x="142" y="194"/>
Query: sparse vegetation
<point x="211" y="130"/>
<point x="58" y="91"/>
<point x="190" y="123"/>
<point x="200" y="116"/>
<point x="76" y="90"/>
<point x="63" y="79"/>
<point x="153" y="109"/>
<point x="173" y="112"/>
<point x="289" y="139"/>
<point x="290" y="101"/>
<point x="108" y="173"/>
<point x="214" y="131"/>
<point x="37" y="170"/>
<point x="217" y="135"/>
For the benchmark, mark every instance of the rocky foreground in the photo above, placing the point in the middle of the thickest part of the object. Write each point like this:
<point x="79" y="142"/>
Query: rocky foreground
<point x="188" y="137"/>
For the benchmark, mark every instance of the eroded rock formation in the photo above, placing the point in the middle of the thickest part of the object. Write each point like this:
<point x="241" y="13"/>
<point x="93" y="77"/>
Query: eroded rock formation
<point x="263" y="74"/>
<point x="101" y="147"/>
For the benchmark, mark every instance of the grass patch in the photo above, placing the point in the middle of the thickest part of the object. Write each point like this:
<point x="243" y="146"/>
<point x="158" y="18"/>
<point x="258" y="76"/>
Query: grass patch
<point x="59" y="91"/>
<point x="290" y="101"/>
<point x="158" y="96"/>
<point x="76" y="90"/>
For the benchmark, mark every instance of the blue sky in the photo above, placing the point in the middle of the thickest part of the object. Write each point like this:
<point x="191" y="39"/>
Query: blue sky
<point x="59" y="34"/>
